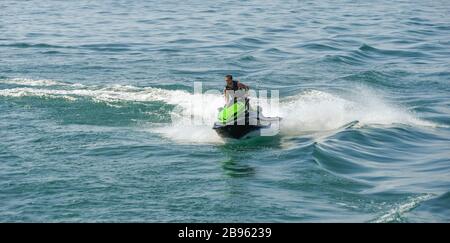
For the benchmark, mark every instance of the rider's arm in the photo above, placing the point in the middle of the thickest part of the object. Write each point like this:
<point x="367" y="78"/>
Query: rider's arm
<point x="243" y="86"/>
<point x="226" y="96"/>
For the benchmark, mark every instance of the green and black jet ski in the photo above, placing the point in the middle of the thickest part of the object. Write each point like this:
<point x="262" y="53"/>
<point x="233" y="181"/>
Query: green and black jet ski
<point x="238" y="121"/>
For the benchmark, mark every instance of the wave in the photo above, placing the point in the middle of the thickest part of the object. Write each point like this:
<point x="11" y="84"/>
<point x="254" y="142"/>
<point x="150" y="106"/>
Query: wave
<point x="114" y="47"/>
<point x="107" y="47"/>
<point x="30" y="45"/>
<point x="396" y="213"/>
<point x="318" y="47"/>
<point x="400" y="53"/>
<point x="304" y="113"/>
<point x="375" y="78"/>
<point x="31" y="82"/>
<point x="351" y="60"/>
<point x="367" y="54"/>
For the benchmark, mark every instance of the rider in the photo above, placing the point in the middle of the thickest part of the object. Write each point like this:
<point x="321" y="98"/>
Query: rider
<point x="235" y="89"/>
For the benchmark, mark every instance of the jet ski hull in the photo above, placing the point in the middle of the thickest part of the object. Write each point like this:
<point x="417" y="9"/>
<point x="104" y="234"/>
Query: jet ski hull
<point x="237" y="131"/>
<point x="239" y="122"/>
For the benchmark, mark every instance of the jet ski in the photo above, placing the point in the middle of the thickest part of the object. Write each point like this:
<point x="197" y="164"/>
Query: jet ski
<point x="239" y="121"/>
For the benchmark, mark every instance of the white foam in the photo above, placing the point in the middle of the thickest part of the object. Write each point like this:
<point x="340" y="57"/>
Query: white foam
<point x="192" y="118"/>
<point x="401" y="209"/>
<point x="31" y="82"/>
<point x="107" y="94"/>
<point x="313" y="111"/>
<point x="318" y="111"/>
<point x="189" y="134"/>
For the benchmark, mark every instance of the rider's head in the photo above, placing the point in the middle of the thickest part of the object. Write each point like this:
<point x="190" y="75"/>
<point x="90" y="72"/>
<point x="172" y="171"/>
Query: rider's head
<point x="228" y="78"/>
